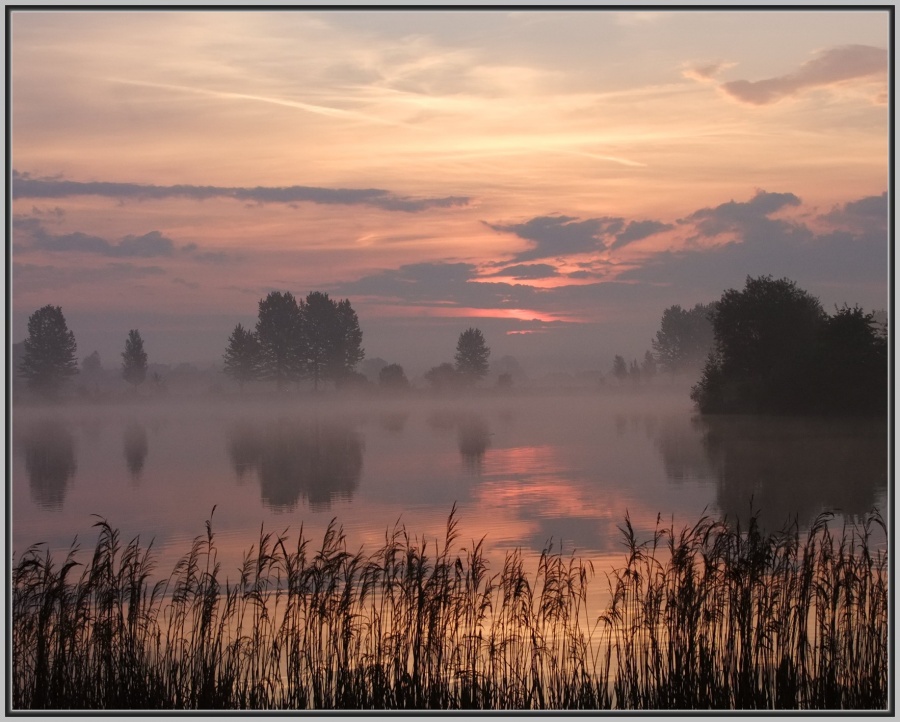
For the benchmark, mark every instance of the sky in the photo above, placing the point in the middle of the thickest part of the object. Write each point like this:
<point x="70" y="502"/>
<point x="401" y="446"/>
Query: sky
<point x="554" y="178"/>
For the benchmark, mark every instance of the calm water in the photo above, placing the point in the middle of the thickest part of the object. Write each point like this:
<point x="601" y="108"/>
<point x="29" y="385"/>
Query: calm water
<point x="521" y="471"/>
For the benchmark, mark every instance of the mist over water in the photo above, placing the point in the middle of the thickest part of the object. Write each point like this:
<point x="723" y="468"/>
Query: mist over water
<point x="522" y="470"/>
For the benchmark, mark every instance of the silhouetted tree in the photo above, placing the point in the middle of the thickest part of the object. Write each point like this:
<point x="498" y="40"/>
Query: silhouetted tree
<point x="49" y="351"/>
<point x="634" y="371"/>
<point x="685" y="338"/>
<point x="393" y="377"/>
<point x="471" y="356"/>
<point x="777" y="351"/>
<point x="91" y="365"/>
<point x="620" y="368"/>
<point x="442" y="377"/>
<point x="333" y="337"/>
<point x="280" y="333"/>
<point x="134" y="359"/>
<point x="242" y="356"/>
<point x="852" y="371"/>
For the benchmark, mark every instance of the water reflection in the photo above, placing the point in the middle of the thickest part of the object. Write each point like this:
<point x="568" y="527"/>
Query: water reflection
<point x="796" y="466"/>
<point x="394" y="421"/>
<point x="473" y="436"/>
<point x="317" y="462"/>
<point x="679" y="440"/>
<point x="49" y="450"/>
<point x="136" y="447"/>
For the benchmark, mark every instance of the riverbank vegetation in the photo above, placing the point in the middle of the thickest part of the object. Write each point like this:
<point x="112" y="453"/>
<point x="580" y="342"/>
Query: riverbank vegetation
<point x="716" y="616"/>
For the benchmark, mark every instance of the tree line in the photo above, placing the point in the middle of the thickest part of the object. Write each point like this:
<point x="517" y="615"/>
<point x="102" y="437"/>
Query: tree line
<point x="769" y="348"/>
<point x="49" y="354"/>
<point x="316" y="338"/>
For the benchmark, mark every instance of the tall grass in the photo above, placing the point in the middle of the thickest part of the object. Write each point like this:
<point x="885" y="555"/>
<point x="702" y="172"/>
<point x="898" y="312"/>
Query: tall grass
<point x="712" y="617"/>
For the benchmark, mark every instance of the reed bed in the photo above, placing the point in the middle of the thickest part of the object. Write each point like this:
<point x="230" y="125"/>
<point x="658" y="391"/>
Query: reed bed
<point x="714" y="616"/>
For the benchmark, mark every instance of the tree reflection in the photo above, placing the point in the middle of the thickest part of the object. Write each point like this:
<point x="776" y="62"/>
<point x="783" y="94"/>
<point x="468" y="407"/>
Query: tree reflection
<point x="394" y="421"/>
<point x="136" y="446"/>
<point x="317" y="462"/>
<point x="684" y="453"/>
<point x="49" y="451"/>
<point x="474" y="437"/>
<point x="796" y="467"/>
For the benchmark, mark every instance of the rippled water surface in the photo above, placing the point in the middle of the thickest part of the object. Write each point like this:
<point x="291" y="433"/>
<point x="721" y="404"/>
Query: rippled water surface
<point x="521" y="471"/>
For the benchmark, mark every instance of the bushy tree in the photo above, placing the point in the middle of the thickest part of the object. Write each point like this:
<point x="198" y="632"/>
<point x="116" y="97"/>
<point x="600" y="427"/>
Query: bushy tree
<point x="442" y="377"/>
<point x="242" y="356"/>
<point x="49" y="351"/>
<point x="90" y="365"/>
<point x="134" y="359"/>
<point x="777" y="351"/>
<point x="685" y="338"/>
<point x="393" y="377"/>
<point x="472" y="355"/>
<point x="281" y="338"/>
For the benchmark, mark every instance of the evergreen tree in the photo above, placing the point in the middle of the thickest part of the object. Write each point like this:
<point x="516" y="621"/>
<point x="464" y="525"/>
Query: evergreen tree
<point x="242" y="357"/>
<point x="134" y="359"/>
<point x="281" y="337"/>
<point x="49" y="358"/>
<point x="471" y="355"/>
<point x="333" y="338"/>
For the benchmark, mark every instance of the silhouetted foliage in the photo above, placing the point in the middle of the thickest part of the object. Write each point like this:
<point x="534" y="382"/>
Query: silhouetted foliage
<point x="134" y="359"/>
<point x="49" y="351"/>
<point x="471" y="356"/>
<point x="620" y="368"/>
<point x="242" y="356"/>
<point x="135" y="445"/>
<point x="333" y="339"/>
<point x="279" y="331"/>
<point x="634" y="371"/>
<point x="777" y="351"/>
<point x="393" y="377"/>
<point x="685" y="338"/>
<point x="49" y="451"/>
<point x="91" y="365"/>
<point x="443" y="377"/>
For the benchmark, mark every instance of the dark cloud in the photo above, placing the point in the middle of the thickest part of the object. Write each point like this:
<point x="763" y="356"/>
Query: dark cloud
<point x="837" y="258"/>
<point x="735" y="216"/>
<point x="32" y="234"/>
<point x="25" y="186"/>
<point x="638" y="230"/>
<point x="441" y="284"/>
<point x="32" y="277"/>
<point x="866" y="214"/>
<point x="835" y="65"/>
<point x="555" y="236"/>
<point x="150" y="245"/>
<point x="527" y="271"/>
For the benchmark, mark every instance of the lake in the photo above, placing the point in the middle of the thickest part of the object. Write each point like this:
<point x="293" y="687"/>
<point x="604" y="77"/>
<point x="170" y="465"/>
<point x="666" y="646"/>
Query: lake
<point x="521" y="470"/>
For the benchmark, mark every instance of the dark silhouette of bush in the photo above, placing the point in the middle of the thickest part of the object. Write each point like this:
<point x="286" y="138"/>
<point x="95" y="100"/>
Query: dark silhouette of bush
<point x="777" y="351"/>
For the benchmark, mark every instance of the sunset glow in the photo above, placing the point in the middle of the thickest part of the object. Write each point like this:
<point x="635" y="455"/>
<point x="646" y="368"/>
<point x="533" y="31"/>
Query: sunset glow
<point x="581" y="169"/>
